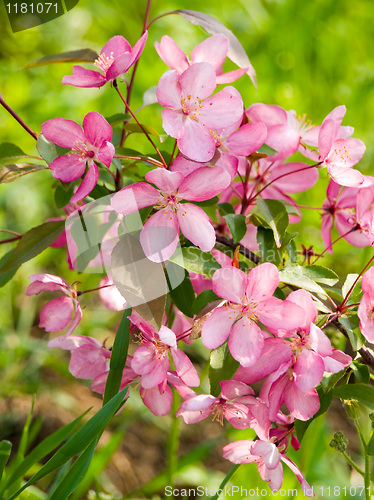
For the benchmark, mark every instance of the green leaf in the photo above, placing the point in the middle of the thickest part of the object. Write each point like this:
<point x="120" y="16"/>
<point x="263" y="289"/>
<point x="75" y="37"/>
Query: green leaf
<point x="5" y="277"/>
<point x="5" y="449"/>
<point x="193" y="259"/>
<point x="203" y="299"/>
<point x="321" y="274"/>
<point x="276" y="216"/>
<point x="90" y="432"/>
<point x="207" y="203"/>
<point x="10" y="173"/>
<point x="33" y="243"/>
<point x="296" y="275"/>
<point x="370" y="445"/>
<point x="357" y="290"/>
<point x="225" y="208"/>
<point x="118" y="357"/>
<point x="361" y="372"/>
<point x="329" y="380"/>
<point x="301" y="426"/>
<point x="75" y="475"/>
<point x="267" y="246"/>
<point x="237" y="226"/>
<point x="183" y="295"/>
<point x="139" y="280"/>
<point x="42" y="450"/>
<point x="267" y="150"/>
<point x="134" y="128"/>
<point x="81" y="55"/>
<point x="10" y="153"/>
<point x="352" y="326"/>
<point x="363" y="393"/>
<point x="222" y="367"/>
<point x="64" y="193"/>
<point x="48" y="150"/>
<point x="236" y="52"/>
<point x="117" y="118"/>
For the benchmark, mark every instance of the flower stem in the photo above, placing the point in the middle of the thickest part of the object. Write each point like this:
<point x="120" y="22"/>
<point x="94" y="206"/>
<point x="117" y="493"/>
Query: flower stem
<point x="173" y="439"/>
<point x="355" y="282"/>
<point x="225" y="481"/>
<point x="115" y="85"/>
<point x="352" y="464"/>
<point x="129" y="87"/>
<point x="17" y="118"/>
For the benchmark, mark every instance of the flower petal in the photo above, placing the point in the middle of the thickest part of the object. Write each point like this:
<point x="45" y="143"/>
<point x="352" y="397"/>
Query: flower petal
<point x="56" y="314"/>
<point x="246" y="342"/>
<point x="204" y="183"/>
<point x="68" y="168"/>
<point x="171" y="54"/>
<point x="160" y="235"/>
<point x="217" y="327"/>
<point x="132" y="198"/>
<point x="97" y="130"/>
<point x="88" y="183"/>
<point x="63" y="132"/>
<point x="195" y="225"/>
<point x="230" y="283"/>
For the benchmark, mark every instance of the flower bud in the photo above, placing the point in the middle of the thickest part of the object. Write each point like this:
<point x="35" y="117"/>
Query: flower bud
<point x="339" y="441"/>
<point x="352" y="409"/>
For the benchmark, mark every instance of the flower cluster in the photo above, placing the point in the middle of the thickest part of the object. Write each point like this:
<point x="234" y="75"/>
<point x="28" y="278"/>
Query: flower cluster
<point x="271" y="337"/>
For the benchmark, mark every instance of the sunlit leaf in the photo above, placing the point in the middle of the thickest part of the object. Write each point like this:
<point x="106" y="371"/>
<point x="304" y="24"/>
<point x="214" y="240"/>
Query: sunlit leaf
<point x="32" y="243"/>
<point x="81" y="55"/>
<point x="10" y="173"/>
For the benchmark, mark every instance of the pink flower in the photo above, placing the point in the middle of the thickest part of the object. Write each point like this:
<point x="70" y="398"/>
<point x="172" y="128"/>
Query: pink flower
<point x="366" y="307"/>
<point x="110" y="295"/>
<point x="286" y="131"/>
<point x="56" y="315"/>
<point x="268" y="459"/>
<point x="151" y="358"/>
<point x="230" y="405"/>
<point x="213" y="50"/>
<point x="338" y="207"/>
<point x="116" y="57"/>
<point x="192" y="113"/>
<point x="89" y="358"/>
<point x="87" y="146"/>
<point x="339" y="154"/>
<point x="160" y="234"/>
<point x="296" y="366"/>
<point x="249" y="299"/>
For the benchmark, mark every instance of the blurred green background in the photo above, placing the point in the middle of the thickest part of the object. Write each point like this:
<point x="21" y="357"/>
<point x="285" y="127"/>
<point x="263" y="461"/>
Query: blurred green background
<point x="309" y="56"/>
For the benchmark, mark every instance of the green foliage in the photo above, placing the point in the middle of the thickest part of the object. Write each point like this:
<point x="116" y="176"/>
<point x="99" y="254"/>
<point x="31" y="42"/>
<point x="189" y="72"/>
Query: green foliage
<point x="32" y="244"/>
<point x="222" y="367"/>
<point x="237" y="226"/>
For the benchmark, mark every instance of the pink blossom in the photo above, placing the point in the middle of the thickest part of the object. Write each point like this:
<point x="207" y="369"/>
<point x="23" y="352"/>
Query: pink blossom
<point x="285" y="130"/>
<point x="89" y="358"/>
<point x="339" y="154"/>
<point x="366" y="307"/>
<point x="160" y="234"/>
<point x="232" y="405"/>
<point x="213" y="50"/>
<point x="191" y="112"/>
<point x="110" y="295"/>
<point x="268" y="459"/>
<point x="151" y="358"/>
<point x="116" y="57"/>
<point x="57" y="314"/>
<point x="249" y="299"/>
<point x="337" y="208"/>
<point x="87" y="145"/>
<point x="295" y="363"/>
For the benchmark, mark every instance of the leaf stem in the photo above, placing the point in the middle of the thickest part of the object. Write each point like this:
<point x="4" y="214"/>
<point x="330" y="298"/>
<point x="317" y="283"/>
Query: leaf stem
<point x="17" y="118"/>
